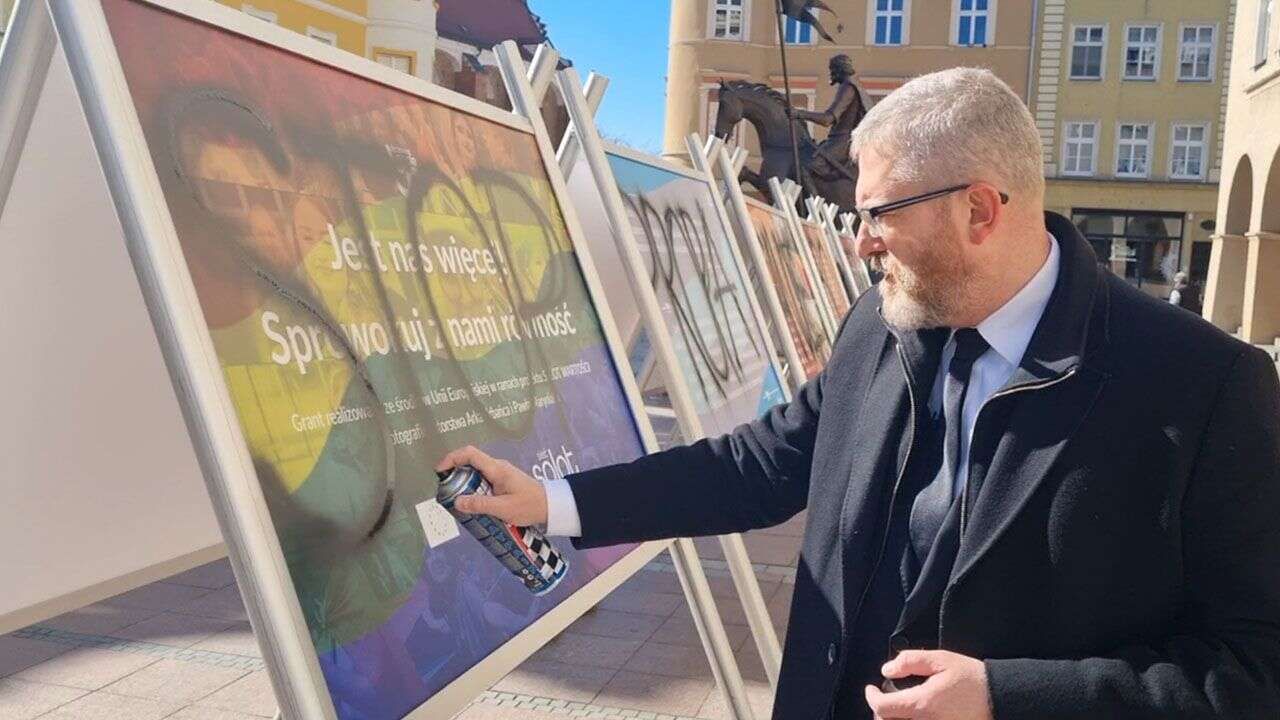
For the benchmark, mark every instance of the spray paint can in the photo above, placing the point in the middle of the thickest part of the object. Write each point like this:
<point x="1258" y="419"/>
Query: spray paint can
<point x="524" y="551"/>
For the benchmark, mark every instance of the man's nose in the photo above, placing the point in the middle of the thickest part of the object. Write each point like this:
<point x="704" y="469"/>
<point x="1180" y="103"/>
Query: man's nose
<point x="867" y="244"/>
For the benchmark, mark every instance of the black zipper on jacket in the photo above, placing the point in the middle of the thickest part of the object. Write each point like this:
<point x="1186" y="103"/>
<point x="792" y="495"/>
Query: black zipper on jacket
<point x="965" y="506"/>
<point x="893" y="497"/>
<point x="964" y="495"/>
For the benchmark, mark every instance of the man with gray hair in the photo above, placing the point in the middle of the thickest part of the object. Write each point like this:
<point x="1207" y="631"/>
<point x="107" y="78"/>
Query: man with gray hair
<point x="1009" y="514"/>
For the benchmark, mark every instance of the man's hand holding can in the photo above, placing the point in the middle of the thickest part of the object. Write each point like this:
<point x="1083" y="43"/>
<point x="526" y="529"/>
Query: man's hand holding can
<point x="517" y="498"/>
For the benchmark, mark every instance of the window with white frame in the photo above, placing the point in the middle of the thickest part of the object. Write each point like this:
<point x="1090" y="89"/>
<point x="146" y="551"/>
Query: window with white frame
<point x="1141" y="52"/>
<point x="1196" y="52"/>
<point x="323" y="36"/>
<point x="1133" y="150"/>
<point x="1080" y="148"/>
<point x="799" y="33"/>
<point x="889" y="22"/>
<point x="396" y="61"/>
<point x="1088" y="47"/>
<point x="1188" y="152"/>
<point x="265" y="15"/>
<point x="1266" y="8"/>
<point x="974" y="21"/>
<point x="728" y="19"/>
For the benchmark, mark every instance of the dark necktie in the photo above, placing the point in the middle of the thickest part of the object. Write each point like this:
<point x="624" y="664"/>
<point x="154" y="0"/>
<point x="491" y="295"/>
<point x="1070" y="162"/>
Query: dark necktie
<point x="933" y="503"/>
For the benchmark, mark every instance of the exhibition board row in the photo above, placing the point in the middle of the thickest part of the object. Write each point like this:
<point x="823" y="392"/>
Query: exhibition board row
<point x="347" y="272"/>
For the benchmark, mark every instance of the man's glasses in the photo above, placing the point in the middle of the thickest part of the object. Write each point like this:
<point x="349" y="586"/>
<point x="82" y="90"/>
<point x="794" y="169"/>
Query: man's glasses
<point x="871" y="216"/>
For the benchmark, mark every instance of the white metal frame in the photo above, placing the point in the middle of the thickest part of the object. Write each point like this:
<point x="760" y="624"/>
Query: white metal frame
<point x="784" y="199"/>
<point x="861" y="275"/>
<point x="825" y="214"/>
<point x="701" y="154"/>
<point x="817" y="220"/>
<point x="593" y="150"/>
<point x="25" y="56"/>
<point x="809" y="283"/>
<point x="728" y="171"/>
<point x="187" y="345"/>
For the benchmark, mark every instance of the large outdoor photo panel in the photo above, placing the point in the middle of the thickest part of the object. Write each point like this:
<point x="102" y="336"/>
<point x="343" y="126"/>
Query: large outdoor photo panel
<point x="797" y="292"/>
<point x="384" y="278"/>
<point x="758" y="276"/>
<point x="847" y="237"/>
<point x="689" y="261"/>
<point x="815" y="240"/>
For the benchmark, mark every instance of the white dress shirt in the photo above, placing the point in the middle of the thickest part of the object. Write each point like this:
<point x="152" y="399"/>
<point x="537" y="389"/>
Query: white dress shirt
<point x="1008" y="331"/>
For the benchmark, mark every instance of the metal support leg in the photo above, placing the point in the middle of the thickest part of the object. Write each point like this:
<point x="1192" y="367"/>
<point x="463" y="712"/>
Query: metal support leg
<point x="748" y="587"/>
<point x="27" y="50"/>
<point x="706" y="618"/>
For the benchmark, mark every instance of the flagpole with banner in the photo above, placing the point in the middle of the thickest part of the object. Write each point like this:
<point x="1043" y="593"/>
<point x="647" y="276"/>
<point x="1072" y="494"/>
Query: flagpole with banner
<point x="786" y="86"/>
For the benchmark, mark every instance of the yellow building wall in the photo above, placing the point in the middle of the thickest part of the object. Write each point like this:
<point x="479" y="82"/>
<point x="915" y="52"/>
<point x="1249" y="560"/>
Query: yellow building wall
<point x="1113" y="100"/>
<point x="1163" y="102"/>
<point x="695" y="58"/>
<point x="298" y="16"/>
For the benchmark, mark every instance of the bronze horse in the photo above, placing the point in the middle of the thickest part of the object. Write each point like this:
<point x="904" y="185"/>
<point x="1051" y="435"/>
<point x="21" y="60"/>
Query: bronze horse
<point x="831" y="178"/>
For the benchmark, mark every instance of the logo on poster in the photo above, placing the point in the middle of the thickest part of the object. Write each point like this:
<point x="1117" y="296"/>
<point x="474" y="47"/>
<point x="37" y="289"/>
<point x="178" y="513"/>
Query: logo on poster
<point x="554" y="466"/>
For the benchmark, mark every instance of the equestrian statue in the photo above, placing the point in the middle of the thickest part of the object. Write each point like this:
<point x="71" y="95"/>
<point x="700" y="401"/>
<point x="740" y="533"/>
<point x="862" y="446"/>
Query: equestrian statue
<point x="827" y="168"/>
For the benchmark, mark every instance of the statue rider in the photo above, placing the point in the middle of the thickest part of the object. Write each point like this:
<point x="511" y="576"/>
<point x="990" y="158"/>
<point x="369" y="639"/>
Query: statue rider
<point x="846" y="111"/>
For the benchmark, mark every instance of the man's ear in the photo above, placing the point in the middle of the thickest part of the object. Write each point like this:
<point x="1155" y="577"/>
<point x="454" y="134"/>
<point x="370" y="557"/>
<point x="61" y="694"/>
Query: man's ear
<point x="986" y="210"/>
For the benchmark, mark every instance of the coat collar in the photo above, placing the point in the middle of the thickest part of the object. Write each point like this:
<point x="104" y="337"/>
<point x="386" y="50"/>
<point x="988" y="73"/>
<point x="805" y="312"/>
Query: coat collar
<point x="1072" y="327"/>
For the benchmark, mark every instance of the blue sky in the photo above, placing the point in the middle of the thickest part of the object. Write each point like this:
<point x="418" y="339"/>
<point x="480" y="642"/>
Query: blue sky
<point x="627" y="41"/>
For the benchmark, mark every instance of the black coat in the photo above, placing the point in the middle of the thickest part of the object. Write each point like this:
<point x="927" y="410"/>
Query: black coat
<point x="1122" y="558"/>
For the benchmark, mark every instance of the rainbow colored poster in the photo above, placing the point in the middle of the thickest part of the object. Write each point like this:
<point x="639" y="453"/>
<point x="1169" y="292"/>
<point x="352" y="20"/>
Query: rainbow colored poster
<point x="384" y="278"/>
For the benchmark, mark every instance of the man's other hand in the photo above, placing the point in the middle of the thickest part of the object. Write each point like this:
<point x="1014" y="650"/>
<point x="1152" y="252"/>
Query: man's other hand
<point x="956" y="688"/>
<point x="517" y="498"/>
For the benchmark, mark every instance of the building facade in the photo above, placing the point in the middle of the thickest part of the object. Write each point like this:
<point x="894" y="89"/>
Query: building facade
<point x="1243" y="293"/>
<point x="1129" y="96"/>
<point x="1130" y="101"/>
<point x="397" y="33"/>
<point x="890" y="42"/>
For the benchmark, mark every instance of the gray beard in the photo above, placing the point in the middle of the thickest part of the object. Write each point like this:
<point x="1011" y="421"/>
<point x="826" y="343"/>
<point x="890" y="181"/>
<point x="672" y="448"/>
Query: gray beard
<point x="908" y="313"/>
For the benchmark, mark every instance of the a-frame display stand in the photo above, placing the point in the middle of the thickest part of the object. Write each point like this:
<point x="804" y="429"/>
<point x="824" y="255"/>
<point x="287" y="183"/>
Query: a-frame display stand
<point x="102" y="491"/>
<point x="848" y="237"/>
<point x="785" y="197"/>
<point x="824" y="213"/>
<point x="586" y="145"/>
<point x="714" y="154"/>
